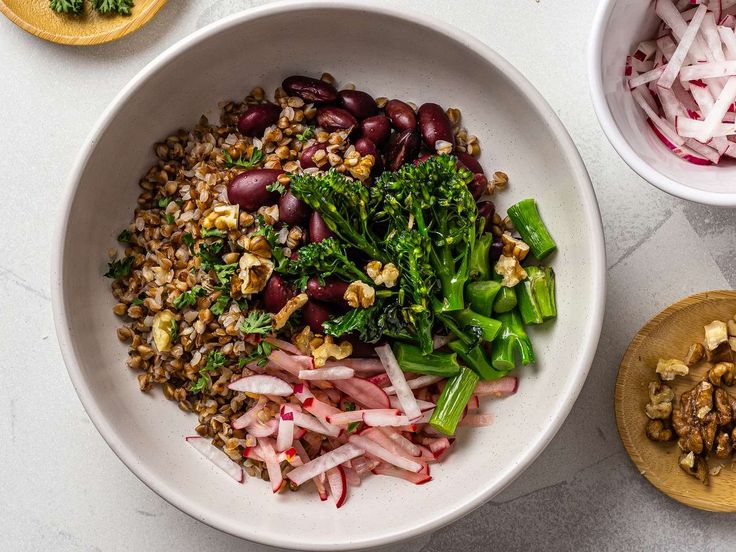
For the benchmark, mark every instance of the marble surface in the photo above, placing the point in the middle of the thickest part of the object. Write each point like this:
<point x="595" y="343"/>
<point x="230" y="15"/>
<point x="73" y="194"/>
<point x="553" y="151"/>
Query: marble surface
<point x="62" y="488"/>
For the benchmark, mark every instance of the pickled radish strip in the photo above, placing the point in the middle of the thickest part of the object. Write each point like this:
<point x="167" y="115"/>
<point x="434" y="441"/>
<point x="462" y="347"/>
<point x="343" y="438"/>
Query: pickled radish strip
<point x="216" y="456"/>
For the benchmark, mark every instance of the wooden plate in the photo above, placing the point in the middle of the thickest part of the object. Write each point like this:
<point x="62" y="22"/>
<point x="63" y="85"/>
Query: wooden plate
<point x="35" y="17"/>
<point x="668" y="335"/>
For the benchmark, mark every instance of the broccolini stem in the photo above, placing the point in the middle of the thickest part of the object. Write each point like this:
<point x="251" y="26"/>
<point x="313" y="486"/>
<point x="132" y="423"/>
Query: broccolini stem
<point x="477" y="359"/>
<point x="488" y="326"/>
<point x="537" y="295"/>
<point x="453" y="400"/>
<point x="481" y="295"/>
<point x="528" y="223"/>
<point x="411" y="359"/>
<point x="512" y="340"/>
<point x="505" y="300"/>
<point x="480" y="264"/>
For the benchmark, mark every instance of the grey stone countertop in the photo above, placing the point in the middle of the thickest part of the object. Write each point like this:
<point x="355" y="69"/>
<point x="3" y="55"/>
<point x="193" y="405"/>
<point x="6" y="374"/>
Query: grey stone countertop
<point x="63" y="489"/>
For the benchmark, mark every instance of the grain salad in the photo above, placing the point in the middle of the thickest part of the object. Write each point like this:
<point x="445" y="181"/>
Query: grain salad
<point x="322" y="278"/>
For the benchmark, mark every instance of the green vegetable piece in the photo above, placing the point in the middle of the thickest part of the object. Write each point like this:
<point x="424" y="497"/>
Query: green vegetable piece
<point x="215" y="360"/>
<point x="188" y="298"/>
<point x="255" y="158"/>
<point x="219" y="306"/>
<point x="453" y="400"/>
<point x="537" y="295"/>
<point x="480" y="263"/>
<point x="411" y="359"/>
<point x="119" y="268"/>
<point x="528" y="223"/>
<point x="505" y="300"/>
<point x="488" y="326"/>
<point x="477" y="359"/>
<point x="481" y="295"/>
<point x="73" y="7"/>
<point x="257" y="322"/>
<point x="511" y="342"/>
<point x="124" y="236"/>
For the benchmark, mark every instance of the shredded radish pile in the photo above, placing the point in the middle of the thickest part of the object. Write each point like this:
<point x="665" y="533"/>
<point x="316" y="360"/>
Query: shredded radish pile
<point x="685" y="79"/>
<point x="332" y="427"/>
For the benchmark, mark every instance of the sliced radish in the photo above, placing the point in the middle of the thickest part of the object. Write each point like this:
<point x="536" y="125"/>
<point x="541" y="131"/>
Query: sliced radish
<point x="363" y="465"/>
<point x="396" y="375"/>
<point x="333" y="373"/>
<point x="262" y="385"/>
<point x="674" y="66"/>
<point x="283" y="345"/>
<point x="391" y="471"/>
<point x="338" y="485"/>
<point x="502" y="387"/>
<point x="272" y="463"/>
<point x="263" y="429"/>
<point x="416" y="383"/>
<point x="302" y="392"/>
<point x="401" y="442"/>
<point x="325" y="462"/>
<point x="286" y="428"/>
<point x="351" y="476"/>
<point x="477" y="420"/>
<point x="250" y="414"/>
<point x="373" y="448"/>
<point x="362" y="366"/>
<point x="364" y="392"/>
<point x="217" y="457"/>
<point x="318" y="483"/>
<point x="291" y="363"/>
<point x="311" y="423"/>
<point x="377" y="418"/>
<point x="381" y="380"/>
<point x="423" y="405"/>
<point x="254" y="453"/>
<point x="439" y="341"/>
<point x="319" y="409"/>
<point x="649" y="76"/>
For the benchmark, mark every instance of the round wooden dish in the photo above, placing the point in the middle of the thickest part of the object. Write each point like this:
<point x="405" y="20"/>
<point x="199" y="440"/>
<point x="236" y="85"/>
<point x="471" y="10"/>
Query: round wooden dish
<point x="35" y="17"/>
<point x="668" y="335"/>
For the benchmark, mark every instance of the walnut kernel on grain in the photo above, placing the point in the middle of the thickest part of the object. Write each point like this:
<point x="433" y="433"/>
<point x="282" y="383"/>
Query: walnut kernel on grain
<point x="359" y="294"/>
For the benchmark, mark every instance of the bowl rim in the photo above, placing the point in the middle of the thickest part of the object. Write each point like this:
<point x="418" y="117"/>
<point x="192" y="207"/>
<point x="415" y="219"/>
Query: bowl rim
<point x="616" y="137"/>
<point x="596" y="251"/>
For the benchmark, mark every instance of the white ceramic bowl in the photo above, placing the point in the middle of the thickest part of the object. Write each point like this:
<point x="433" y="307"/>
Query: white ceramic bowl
<point x="618" y="27"/>
<point x="386" y="53"/>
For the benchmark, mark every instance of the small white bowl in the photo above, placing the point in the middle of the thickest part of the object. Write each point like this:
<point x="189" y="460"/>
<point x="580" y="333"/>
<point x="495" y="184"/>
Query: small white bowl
<point x="618" y="27"/>
<point x="385" y="53"/>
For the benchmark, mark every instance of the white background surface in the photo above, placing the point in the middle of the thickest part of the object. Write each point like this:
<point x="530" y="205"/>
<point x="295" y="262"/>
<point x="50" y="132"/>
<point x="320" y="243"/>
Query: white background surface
<point x="61" y="487"/>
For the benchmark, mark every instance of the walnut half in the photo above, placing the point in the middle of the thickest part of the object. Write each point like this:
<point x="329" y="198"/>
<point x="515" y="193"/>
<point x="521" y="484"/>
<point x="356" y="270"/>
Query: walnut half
<point x="660" y="401"/>
<point x="696" y="466"/>
<point x="359" y="294"/>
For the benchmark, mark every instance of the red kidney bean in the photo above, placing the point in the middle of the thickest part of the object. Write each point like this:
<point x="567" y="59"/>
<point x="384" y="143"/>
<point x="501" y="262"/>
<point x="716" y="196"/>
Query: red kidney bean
<point x="292" y="210"/>
<point x="335" y="118"/>
<point x="402" y="147"/>
<point x="309" y="89"/>
<point x="469" y="162"/>
<point x="305" y="159"/>
<point x="434" y="124"/>
<point x="487" y="209"/>
<point x="496" y="249"/>
<point x="257" y="118"/>
<point x="364" y="146"/>
<point x="315" y="314"/>
<point x="377" y="129"/>
<point x="331" y="292"/>
<point x="478" y="186"/>
<point x="401" y="114"/>
<point x="248" y="189"/>
<point x="276" y="293"/>
<point x="358" y="103"/>
<point x="318" y="230"/>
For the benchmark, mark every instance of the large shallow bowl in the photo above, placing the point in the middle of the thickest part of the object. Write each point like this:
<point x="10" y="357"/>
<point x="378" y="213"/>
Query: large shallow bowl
<point x="386" y="53"/>
<point x="618" y="27"/>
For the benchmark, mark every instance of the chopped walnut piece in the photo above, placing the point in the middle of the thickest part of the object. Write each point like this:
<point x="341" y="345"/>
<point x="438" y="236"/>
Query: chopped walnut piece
<point x="359" y="294"/>
<point x="330" y="349"/>
<point x="695" y="466"/>
<point x="254" y="273"/>
<point x="724" y="447"/>
<point x="723" y="406"/>
<point x="222" y="217"/>
<point x="691" y="416"/>
<point x="657" y="431"/>
<point x="382" y="275"/>
<point x="703" y="399"/>
<point x="722" y="373"/>
<point x="302" y="340"/>
<point x="511" y="271"/>
<point x="292" y="305"/>
<point x="269" y="213"/>
<point x="668" y="369"/>
<point x="715" y="333"/>
<point x="722" y="353"/>
<point x="258" y="245"/>
<point x="731" y="326"/>
<point x="694" y="354"/>
<point x="660" y="401"/>
<point x="513" y="247"/>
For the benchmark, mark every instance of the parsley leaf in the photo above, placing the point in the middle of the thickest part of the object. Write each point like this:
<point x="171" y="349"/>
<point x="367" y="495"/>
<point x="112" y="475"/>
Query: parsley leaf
<point x="259" y="355"/>
<point x="272" y="237"/>
<point x="119" y="268"/>
<point x="174" y="330"/>
<point x="255" y="158"/>
<point x="219" y="306"/>
<point x="188" y="240"/>
<point x="306" y="135"/>
<point x="212" y="233"/>
<point x="137" y="301"/>
<point x="257" y="322"/>
<point x="349" y="407"/>
<point x="215" y="360"/>
<point x="124" y="236"/>
<point x="188" y="298"/>
<point x="224" y="271"/>
<point x="276" y="187"/>
<point x="209" y="254"/>
<point x="169" y="218"/>
<point x="164" y="202"/>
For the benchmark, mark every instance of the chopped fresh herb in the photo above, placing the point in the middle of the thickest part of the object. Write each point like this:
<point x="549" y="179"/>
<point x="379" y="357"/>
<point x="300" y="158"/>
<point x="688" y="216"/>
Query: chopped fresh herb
<point x="174" y="330"/>
<point x="124" y="236"/>
<point x="164" y="202"/>
<point x="188" y="298"/>
<point x="259" y="355"/>
<point x="257" y="322"/>
<point x="212" y="233"/>
<point x="169" y="218"/>
<point x="272" y="237"/>
<point x="119" y="268"/>
<point x="242" y="362"/>
<point x="306" y="135"/>
<point x="255" y="158"/>
<point x="67" y="6"/>
<point x="219" y="306"/>
<point x="242" y="305"/>
<point x="348" y="406"/>
<point x="137" y="301"/>
<point x="224" y="272"/>
<point x="188" y="241"/>
<point x="121" y="7"/>
<point x="215" y="360"/>
<point x="276" y="187"/>
<point x="209" y="254"/>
